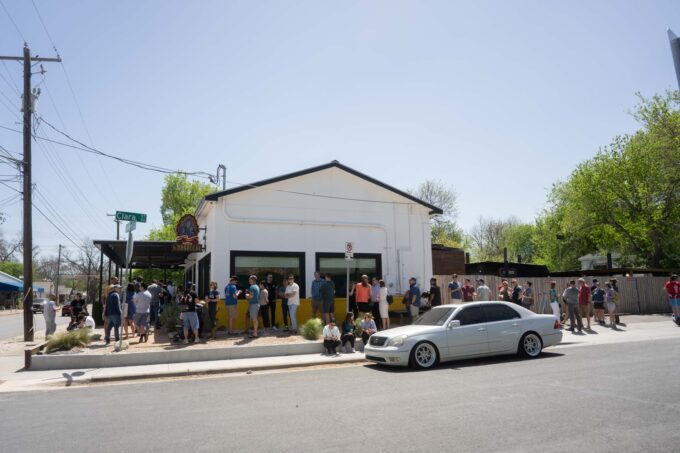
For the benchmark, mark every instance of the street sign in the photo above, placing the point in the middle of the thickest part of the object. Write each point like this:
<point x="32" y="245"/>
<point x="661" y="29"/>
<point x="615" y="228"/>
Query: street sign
<point x="127" y="216"/>
<point x="349" y="250"/>
<point x="130" y="226"/>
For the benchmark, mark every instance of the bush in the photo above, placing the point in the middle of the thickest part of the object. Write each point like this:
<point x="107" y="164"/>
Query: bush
<point x="65" y="341"/>
<point x="312" y="329"/>
<point x="358" y="329"/>
<point x="170" y="317"/>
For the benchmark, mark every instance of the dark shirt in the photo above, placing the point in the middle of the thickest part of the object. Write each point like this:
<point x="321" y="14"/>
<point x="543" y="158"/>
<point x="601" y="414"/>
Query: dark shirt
<point x="113" y="304"/>
<point x="76" y="306"/>
<point x="190" y="301"/>
<point x="327" y="291"/>
<point x="516" y="291"/>
<point x="414" y="291"/>
<point x="468" y="291"/>
<point x="348" y="327"/>
<point x="271" y="292"/>
<point x="436" y="296"/>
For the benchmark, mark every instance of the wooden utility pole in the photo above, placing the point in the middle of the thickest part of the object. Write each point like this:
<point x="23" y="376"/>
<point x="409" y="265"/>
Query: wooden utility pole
<point x="27" y="109"/>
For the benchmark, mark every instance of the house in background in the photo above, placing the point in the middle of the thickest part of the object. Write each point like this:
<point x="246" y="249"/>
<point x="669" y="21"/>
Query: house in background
<point x="593" y="261"/>
<point x="300" y="222"/>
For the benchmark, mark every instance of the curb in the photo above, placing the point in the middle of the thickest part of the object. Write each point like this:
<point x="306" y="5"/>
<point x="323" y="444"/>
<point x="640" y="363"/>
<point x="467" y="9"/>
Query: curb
<point x="222" y="370"/>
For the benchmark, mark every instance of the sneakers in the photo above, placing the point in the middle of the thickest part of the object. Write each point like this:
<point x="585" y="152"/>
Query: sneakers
<point x="186" y="341"/>
<point x="353" y="350"/>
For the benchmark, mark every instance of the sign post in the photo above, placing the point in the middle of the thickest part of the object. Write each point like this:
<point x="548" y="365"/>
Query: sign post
<point x="349" y="254"/>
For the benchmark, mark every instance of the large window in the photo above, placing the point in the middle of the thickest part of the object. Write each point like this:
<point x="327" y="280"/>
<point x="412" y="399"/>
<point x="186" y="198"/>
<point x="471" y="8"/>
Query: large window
<point x="280" y="264"/>
<point x="336" y="265"/>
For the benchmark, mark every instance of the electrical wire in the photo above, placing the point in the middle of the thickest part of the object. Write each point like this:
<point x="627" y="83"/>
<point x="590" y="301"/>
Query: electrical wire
<point x="16" y="27"/>
<point x="57" y="228"/>
<point x="10" y="78"/>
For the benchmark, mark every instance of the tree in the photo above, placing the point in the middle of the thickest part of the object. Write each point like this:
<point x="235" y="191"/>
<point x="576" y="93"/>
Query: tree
<point x="12" y="268"/>
<point x="626" y="197"/>
<point x="179" y="196"/>
<point x="488" y="238"/>
<point x="10" y="250"/>
<point x="444" y="228"/>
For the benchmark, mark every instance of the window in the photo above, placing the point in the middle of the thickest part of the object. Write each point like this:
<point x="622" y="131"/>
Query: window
<point x="335" y="264"/>
<point x="470" y="315"/>
<point x="280" y="264"/>
<point x="435" y="317"/>
<point x="497" y="312"/>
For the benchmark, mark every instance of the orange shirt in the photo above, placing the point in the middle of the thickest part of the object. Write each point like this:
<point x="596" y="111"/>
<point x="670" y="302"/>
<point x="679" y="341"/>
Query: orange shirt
<point x="363" y="293"/>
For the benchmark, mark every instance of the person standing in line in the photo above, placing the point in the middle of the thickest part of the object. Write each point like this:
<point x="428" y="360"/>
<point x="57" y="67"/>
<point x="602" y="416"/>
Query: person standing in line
<point x="113" y="313"/>
<point x="597" y="295"/>
<point x="129" y="320"/>
<point x="213" y="297"/>
<point x="327" y="295"/>
<point x="253" y="296"/>
<point x="570" y="296"/>
<point x="383" y="306"/>
<point x="142" y="302"/>
<point x="264" y="307"/>
<point x="554" y="301"/>
<point x="293" y="297"/>
<point x="504" y="292"/>
<point x="316" y="296"/>
<point x="516" y="297"/>
<point x="375" y="302"/>
<point x="155" y="292"/>
<point x="617" y="299"/>
<point x="348" y="332"/>
<point x="50" y="315"/>
<point x="435" y="298"/>
<point x="414" y="299"/>
<point x="456" y="292"/>
<point x="331" y="338"/>
<point x="353" y="300"/>
<point x="528" y="296"/>
<point x="468" y="291"/>
<point x="368" y="327"/>
<point x="483" y="292"/>
<point x="271" y="304"/>
<point x="231" y="293"/>
<point x="611" y="305"/>
<point x="362" y="293"/>
<point x="285" y="311"/>
<point x="189" y="316"/>
<point x="584" y="301"/>
<point x="672" y="288"/>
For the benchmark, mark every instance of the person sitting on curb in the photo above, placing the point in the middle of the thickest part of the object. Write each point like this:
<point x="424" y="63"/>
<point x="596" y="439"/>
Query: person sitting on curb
<point x="368" y="327"/>
<point x="348" y="329"/>
<point x="331" y="338"/>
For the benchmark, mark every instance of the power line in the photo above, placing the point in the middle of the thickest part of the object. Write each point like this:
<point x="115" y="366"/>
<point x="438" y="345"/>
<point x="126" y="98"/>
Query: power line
<point x="44" y="27"/>
<point x="57" y="228"/>
<point x="16" y="27"/>
<point x="9" y="77"/>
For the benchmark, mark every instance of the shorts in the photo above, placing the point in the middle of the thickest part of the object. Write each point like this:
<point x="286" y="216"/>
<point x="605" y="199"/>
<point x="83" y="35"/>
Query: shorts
<point x="141" y="319"/>
<point x="674" y="301"/>
<point x="190" y="320"/>
<point x="316" y="305"/>
<point x="232" y="311"/>
<point x="328" y="306"/>
<point x="611" y="306"/>
<point x="254" y="310"/>
<point x="598" y="305"/>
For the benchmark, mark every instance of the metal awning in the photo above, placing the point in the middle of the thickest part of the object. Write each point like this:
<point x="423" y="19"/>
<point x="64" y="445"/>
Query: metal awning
<point x="146" y="254"/>
<point x="6" y="286"/>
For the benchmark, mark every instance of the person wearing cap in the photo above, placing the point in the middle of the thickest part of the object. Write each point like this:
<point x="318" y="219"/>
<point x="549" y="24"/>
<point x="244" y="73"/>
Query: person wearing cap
<point x="231" y="293"/>
<point x="455" y="288"/>
<point x="113" y="313"/>
<point x="435" y="298"/>
<point x="597" y="294"/>
<point x="584" y="301"/>
<point x="414" y="299"/>
<point x="570" y="297"/>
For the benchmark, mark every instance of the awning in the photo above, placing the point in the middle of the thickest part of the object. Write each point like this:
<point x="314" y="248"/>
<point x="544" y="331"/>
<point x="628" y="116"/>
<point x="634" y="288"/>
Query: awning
<point x="6" y="286"/>
<point x="146" y="254"/>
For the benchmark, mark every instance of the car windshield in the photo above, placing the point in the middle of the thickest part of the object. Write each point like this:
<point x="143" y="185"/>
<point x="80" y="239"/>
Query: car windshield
<point x="434" y="317"/>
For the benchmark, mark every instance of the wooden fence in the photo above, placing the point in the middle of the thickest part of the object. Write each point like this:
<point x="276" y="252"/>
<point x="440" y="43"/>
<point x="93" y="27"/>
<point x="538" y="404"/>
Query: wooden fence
<point x="638" y="295"/>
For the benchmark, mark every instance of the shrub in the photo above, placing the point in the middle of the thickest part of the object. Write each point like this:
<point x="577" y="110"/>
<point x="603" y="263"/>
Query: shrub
<point x="170" y="317"/>
<point x="65" y="341"/>
<point x="357" y="325"/>
<point x="312" y="329"/>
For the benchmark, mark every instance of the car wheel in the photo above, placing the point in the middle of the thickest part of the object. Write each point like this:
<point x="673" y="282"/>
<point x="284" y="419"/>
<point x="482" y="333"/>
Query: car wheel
<point x="424" y="355"/>
<point x="530" y="345"/>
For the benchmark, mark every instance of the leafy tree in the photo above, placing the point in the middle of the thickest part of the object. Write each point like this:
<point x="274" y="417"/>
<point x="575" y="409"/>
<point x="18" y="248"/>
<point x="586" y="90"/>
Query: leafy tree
<point x="487" y="238"/>
<point x="12" y="268"/>
<point x="444" y="231"/>
<point x="626" y="197"/>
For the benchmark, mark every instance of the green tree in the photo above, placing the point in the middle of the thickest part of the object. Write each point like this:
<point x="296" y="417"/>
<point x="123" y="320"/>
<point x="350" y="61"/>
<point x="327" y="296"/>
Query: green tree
<point x="626" y="197"/>
<point x="445" y="230"/>
<point x="12" y="268"/>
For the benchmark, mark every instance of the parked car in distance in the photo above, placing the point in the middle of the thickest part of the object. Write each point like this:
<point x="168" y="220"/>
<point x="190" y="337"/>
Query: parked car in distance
<point x="38" y="305"/>
<point x="66" y="310"/>
<point x="462" y="331"/>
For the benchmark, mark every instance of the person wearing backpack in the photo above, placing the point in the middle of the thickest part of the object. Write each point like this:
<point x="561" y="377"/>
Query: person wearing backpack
<point x="383" y="305"/>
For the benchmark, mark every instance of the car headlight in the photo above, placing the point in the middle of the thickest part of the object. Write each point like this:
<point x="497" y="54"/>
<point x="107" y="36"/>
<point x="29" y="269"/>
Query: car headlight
<point x="397" y="341"/>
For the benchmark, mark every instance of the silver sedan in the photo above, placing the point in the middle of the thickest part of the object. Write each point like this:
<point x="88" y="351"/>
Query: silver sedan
<point x="461" y="331"/>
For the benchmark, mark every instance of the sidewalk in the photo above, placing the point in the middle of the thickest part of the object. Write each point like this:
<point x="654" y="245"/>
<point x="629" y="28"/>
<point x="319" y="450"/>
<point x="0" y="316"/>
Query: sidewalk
<point x="12" y="379"/>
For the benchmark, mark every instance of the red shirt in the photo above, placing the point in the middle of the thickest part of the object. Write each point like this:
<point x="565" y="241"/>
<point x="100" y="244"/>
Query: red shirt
<point x="468" y="291"/>
<point x="584" y="295"/>
<point x="673" y="288"/>
<point x="362" y="293"/>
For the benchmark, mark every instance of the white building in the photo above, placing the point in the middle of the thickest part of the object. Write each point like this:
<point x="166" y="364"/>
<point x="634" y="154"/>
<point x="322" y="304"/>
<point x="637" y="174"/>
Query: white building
<point x="299" y="222"/>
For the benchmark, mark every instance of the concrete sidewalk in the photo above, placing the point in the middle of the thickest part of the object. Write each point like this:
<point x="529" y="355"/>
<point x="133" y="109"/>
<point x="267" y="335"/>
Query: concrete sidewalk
<point x="13" y="378"/>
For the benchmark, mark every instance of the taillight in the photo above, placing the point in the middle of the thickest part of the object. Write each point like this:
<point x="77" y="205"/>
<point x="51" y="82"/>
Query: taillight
<point x="556" y="325"/>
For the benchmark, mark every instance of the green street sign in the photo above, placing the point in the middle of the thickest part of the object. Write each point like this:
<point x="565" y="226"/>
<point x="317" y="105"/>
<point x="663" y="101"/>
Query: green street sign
<point x="130" y="216"/>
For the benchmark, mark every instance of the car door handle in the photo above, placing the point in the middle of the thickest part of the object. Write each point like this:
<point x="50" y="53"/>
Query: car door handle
<point x="515" y="324"/>
<point x="481" y="329"/>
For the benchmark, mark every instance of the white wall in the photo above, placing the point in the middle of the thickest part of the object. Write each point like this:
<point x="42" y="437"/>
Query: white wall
<point x="265" y="219"/>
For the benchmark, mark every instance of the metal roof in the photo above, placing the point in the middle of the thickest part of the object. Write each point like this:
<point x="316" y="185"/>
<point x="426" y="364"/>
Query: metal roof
<point x="146" y="254"/>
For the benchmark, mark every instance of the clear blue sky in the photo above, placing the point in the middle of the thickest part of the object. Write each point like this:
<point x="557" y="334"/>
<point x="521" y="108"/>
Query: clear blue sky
<point x="497" y="99"/>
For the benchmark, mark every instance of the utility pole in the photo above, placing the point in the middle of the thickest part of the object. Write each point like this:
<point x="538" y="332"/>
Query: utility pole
<point x="28" y="206"/>
<point x="56" y="287"/>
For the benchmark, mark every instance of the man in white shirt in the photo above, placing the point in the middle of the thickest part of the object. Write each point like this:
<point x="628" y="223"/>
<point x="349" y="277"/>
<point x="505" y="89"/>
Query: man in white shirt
<point x="142" y="301"/>
<point x="331" y="338"/>
<point x="293" y="297"/>
<point x="50" y="314"/>
<point x="483" y="291"/>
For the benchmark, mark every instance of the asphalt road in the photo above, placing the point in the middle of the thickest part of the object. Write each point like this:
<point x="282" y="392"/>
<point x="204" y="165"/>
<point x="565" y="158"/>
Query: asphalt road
<point x="587" y="399"/>
<point x="13" y="325"/>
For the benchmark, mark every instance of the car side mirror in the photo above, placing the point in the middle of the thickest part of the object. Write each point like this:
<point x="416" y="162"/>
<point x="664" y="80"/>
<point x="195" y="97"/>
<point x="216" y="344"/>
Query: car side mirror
<point x="454" y="323"/>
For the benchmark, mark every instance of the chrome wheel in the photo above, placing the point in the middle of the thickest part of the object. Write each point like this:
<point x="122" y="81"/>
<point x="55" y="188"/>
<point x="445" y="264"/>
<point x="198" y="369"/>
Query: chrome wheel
<point x="424" y="355"/>
<point x="531" y="345"/>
